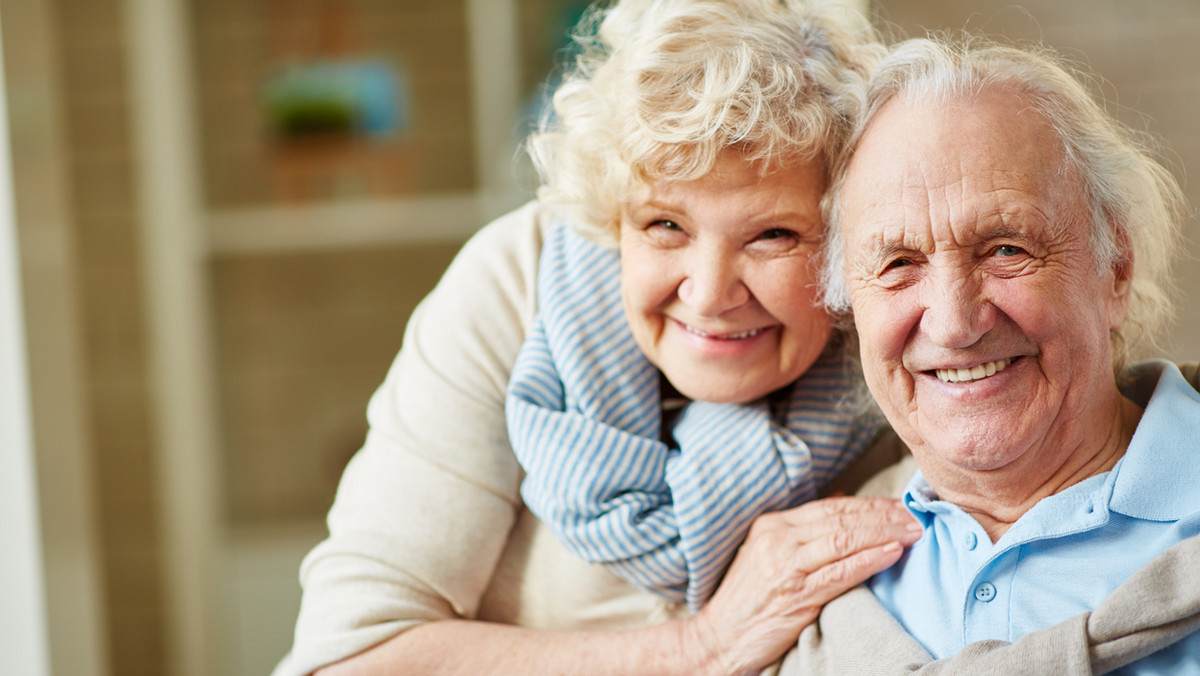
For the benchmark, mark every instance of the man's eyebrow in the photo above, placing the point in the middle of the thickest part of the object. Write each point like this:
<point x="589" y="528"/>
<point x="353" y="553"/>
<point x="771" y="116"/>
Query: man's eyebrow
<point x="1002" y="228"/>
<point x="881" y="248"/>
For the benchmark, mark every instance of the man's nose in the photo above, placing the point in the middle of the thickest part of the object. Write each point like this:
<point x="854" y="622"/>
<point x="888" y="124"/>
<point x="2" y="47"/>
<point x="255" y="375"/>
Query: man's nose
<point x="712" y="283"/>
<point x="957" y="312"/>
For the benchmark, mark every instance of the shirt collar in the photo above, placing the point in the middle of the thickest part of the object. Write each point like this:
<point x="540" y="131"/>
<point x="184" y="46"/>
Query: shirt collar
<point x="922" y="501"/>
<point x="1156" y="479"/>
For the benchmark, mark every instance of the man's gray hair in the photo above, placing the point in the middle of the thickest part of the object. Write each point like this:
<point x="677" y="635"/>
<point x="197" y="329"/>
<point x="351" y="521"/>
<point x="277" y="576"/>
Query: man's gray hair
<point x="1136" y="205"/>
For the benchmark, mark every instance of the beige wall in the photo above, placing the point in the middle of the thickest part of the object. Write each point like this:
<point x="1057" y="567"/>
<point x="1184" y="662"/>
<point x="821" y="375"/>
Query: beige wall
<point x="303" y="339"/>
<point x="52" y="321"/>
<point x="95" y="127"/>
<point x="302" y="336"/>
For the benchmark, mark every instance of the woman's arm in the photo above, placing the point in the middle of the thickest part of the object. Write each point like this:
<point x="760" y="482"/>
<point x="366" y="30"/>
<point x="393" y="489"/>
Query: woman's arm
<point x="792" y="563"/>
<point x="469" y="647"/>
<point x="425" y="508"/>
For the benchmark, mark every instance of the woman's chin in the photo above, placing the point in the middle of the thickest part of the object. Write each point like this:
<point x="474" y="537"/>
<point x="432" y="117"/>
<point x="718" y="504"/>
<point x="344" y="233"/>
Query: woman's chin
<point x="720" y="391"/>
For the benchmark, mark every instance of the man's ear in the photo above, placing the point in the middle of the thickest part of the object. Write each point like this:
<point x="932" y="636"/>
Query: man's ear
<point x="1122" y="279"/>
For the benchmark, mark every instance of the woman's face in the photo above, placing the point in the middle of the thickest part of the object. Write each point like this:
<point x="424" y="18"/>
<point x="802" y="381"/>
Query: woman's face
<point x="719" y="278"/>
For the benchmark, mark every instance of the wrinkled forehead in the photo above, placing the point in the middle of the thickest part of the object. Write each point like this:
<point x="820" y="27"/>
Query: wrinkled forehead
<point x="957" y="168"/>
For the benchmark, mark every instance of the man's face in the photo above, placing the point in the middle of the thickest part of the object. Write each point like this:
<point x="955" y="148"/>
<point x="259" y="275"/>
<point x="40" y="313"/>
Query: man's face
<point x="984" y="321"/>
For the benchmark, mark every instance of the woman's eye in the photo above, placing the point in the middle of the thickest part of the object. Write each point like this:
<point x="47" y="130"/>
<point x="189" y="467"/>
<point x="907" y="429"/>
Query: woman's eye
<point x="662" y="232"/>
<point x="897" y="263"/>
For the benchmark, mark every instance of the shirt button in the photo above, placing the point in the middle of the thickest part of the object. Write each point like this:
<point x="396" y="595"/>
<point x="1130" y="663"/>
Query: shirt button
<point x="985" y="592"/>
<point x="971" y="541"/>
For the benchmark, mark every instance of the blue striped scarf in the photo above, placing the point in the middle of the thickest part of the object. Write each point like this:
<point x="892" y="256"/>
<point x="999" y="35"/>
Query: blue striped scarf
<point x="584" y="417"/>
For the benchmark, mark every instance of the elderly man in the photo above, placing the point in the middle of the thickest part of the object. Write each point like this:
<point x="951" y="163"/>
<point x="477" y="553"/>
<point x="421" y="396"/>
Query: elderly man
<point x="1002" y="243"/>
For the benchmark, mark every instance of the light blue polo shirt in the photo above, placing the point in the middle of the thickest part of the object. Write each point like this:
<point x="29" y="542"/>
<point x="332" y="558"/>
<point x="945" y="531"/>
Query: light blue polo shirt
<point x="1068" y="552"/>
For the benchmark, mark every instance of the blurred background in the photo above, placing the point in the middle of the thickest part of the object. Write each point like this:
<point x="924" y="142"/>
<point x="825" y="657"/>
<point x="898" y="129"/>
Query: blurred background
<point x="225" y="211"/>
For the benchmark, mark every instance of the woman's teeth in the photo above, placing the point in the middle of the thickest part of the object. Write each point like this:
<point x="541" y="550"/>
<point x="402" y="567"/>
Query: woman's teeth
<point x="728" y="336"/>
<point x="974" y="373"/>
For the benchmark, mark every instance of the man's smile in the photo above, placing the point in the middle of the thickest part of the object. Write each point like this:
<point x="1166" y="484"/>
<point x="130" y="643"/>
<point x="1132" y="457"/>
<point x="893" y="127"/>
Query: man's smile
<point x="977" y="372"/>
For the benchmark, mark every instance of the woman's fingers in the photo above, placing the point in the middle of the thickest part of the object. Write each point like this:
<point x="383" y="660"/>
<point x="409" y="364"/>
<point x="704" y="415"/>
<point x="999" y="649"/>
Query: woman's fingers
<point x="830" y="581"/>
<point x="829" y="512"/>
<point x="820" y="519"/>
<point x="817" y="547"/>
<point x="794" y="562"/>
<point x="827" y="546"/>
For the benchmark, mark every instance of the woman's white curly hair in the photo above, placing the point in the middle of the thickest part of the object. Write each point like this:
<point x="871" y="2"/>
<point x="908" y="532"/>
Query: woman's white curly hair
<point x="661" y="87"/>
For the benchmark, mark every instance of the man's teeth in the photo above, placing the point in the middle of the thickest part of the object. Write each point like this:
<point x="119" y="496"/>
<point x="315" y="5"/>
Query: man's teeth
<point x="974" y="373"/>
<point x="728" y="336"/>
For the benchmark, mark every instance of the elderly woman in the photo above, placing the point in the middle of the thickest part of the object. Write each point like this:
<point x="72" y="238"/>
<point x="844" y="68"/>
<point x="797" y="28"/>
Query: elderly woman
<point x="1004" y="244"/>
<point x="692" y="136"/>
<point x="685" y="266"/>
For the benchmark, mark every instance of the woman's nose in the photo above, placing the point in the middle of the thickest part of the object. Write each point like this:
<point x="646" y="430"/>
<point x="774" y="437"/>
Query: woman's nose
<point x="712" y="284"/>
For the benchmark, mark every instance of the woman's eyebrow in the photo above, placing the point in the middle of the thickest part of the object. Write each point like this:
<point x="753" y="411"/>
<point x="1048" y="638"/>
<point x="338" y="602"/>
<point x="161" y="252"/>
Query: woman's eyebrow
<point x="657" y="203"/>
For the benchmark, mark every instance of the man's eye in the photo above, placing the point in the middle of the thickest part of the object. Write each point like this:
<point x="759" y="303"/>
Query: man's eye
<point x="666" y="225"/>
<point x="1008" y="250"/>
<point x="897" y="263"/>
<point x="776" y="233"/>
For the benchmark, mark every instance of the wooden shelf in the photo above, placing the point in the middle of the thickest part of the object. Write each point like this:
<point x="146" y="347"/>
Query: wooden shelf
<point x="353" y="223"/>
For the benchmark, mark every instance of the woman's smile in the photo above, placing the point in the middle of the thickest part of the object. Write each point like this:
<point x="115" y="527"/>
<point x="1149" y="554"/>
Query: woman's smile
<point x="724" y="344"/>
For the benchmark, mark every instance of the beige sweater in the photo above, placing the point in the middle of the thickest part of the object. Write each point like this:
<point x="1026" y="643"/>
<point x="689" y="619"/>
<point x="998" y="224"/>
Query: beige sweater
<point x="428" y="522"/>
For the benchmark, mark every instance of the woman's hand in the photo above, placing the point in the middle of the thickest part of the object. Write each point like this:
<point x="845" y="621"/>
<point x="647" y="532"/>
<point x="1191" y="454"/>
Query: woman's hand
<point x="792" y="563"/>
